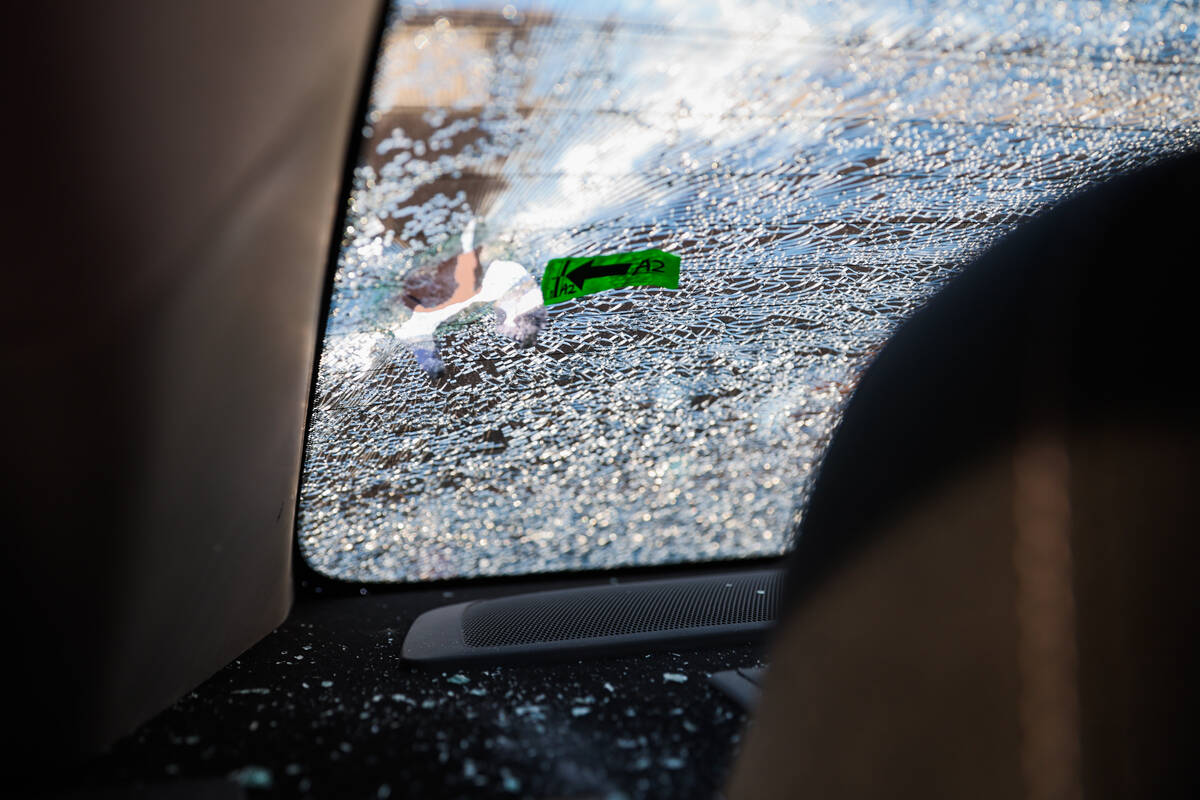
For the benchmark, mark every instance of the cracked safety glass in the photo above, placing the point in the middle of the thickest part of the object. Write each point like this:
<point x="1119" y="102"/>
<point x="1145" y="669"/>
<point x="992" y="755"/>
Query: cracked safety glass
<point x="818" y="169"/>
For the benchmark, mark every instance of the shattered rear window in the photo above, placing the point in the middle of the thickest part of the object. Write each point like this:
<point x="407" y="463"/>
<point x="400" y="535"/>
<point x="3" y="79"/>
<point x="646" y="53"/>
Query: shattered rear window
<point x="818" y="168"/>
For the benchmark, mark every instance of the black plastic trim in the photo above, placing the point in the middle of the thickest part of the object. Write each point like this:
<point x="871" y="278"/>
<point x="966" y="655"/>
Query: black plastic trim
<point x="437" y="636"/>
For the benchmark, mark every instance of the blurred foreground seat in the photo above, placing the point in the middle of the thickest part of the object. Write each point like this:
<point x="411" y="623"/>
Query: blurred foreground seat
<point x="174" y="175"/>
<point x="993" y="593"/>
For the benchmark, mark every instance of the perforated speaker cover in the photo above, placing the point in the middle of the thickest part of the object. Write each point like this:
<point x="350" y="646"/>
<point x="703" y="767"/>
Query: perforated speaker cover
<point x="608" y="618"/>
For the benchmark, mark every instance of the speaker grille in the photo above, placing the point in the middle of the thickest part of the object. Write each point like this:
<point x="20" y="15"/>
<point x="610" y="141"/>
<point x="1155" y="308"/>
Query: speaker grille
<point x="622" y="610"/>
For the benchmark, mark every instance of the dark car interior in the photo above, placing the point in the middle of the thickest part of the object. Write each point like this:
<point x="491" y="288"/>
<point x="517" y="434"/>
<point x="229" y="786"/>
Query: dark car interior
<point x="364" y="443"/>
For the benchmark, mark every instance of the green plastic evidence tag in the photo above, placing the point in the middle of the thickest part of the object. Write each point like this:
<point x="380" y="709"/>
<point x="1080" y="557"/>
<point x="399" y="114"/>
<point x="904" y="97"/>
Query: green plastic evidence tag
<point x="565" y="278"/>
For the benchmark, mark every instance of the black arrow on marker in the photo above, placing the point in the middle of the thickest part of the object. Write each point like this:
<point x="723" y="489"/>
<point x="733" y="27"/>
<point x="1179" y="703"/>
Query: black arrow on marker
<point x="588" y="269"/>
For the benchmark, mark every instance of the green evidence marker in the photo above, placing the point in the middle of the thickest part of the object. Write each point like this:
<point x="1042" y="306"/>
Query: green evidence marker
<point x="565" y="278"/>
